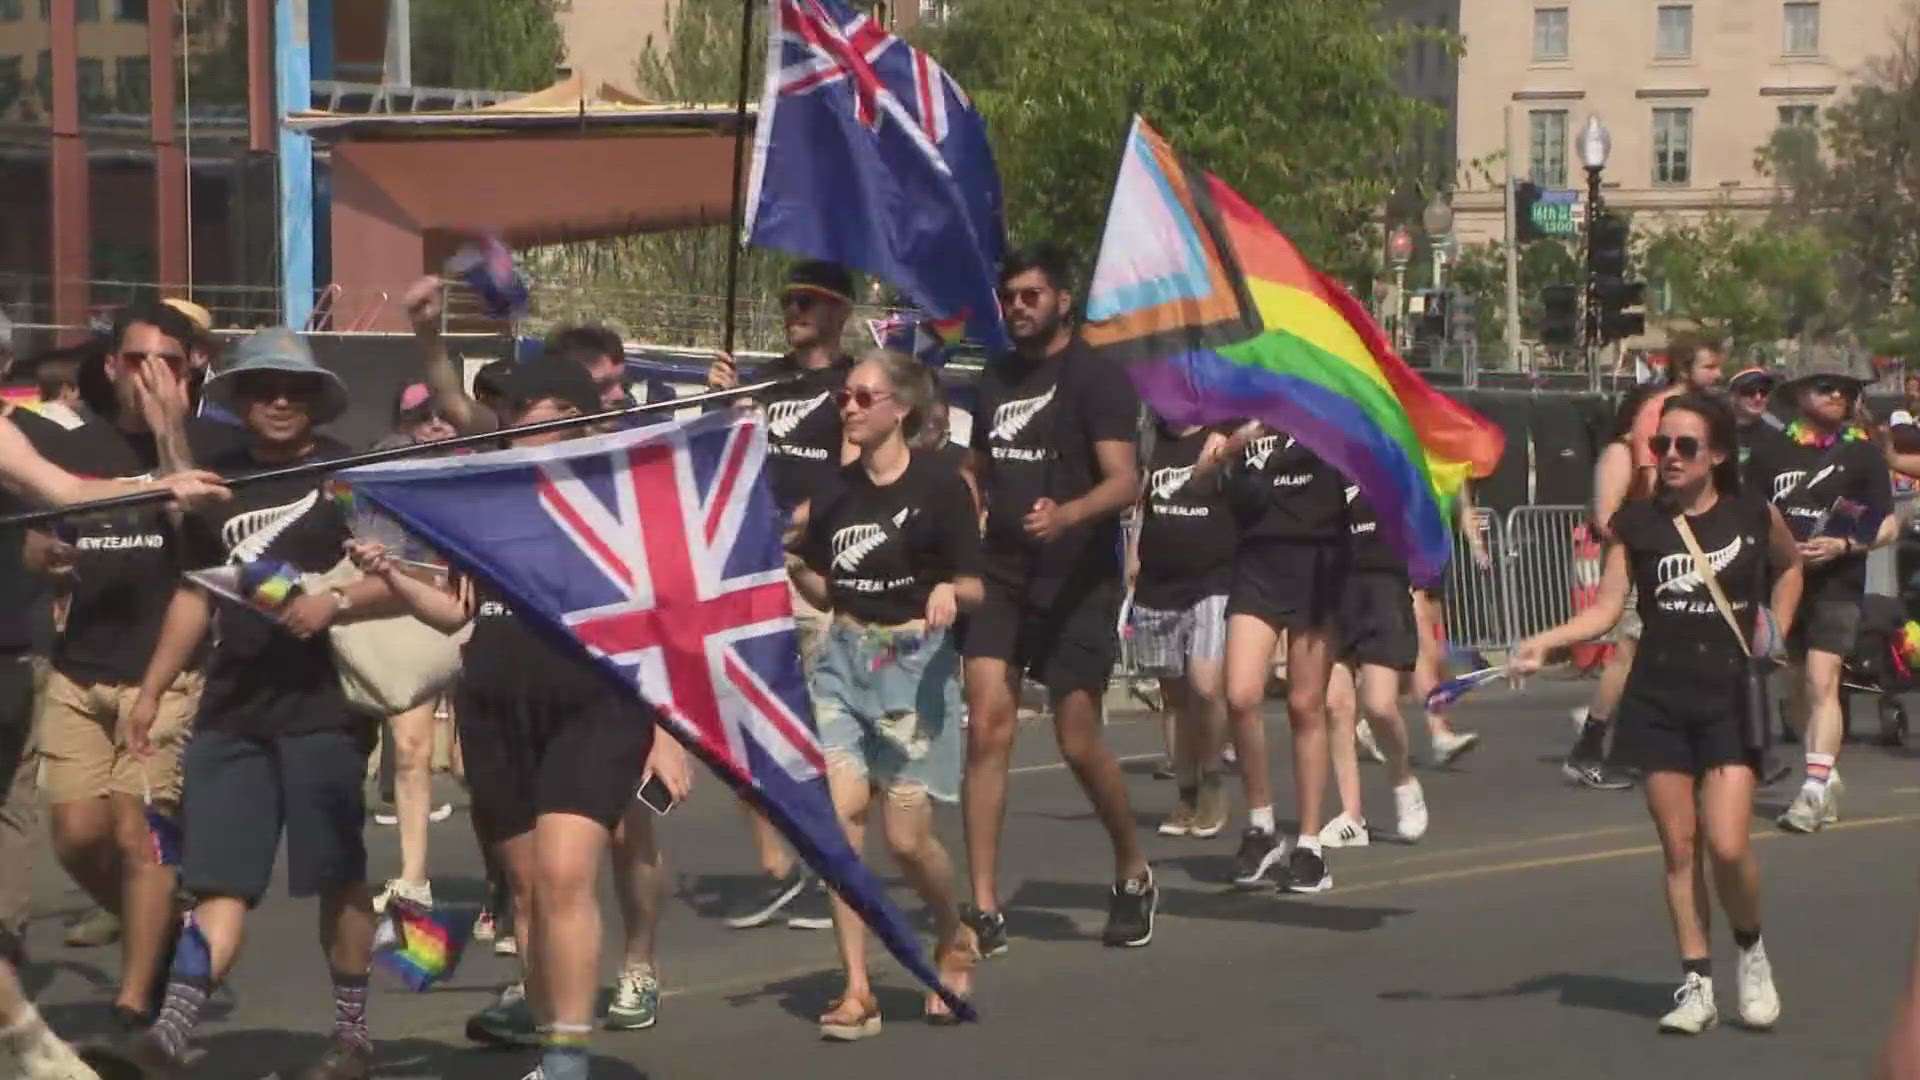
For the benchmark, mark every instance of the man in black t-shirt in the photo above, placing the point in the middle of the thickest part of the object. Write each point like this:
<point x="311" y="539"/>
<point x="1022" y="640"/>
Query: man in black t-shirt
<point x="117" y="572"/>
<point x="1053" y="455"/>
<point x="1829" y="480"/>
<point x="275" y="745"/>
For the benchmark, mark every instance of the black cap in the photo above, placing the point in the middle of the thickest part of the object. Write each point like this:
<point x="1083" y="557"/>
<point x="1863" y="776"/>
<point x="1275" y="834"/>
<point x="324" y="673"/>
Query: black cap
<point x="548" y="377"/>
<point x="490" y="379"/>
<point x="815" y="275"/>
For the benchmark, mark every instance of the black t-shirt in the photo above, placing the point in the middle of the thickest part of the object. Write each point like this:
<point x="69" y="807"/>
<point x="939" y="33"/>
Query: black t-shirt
<point x="507" y="664"/>
<point x="1685" y="634"/>
<point x="804" y="432"/>
<point x="1187" y="533"/>
<point x="1035" y="429"/>
<point x="25" y="601"/>
<point x="1371" y="552"/>
<point x="883" y="549"/>
<point x="1805" y="481"/>
<point x="126" y="563"/>
<point x="1283" y="491"/>
<point x="261" y="680"/>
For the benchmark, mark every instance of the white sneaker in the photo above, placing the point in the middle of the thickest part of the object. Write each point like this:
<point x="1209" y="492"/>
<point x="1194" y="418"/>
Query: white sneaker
<point x="419" y="893"/>
<point x="506" y="945"/>
<point x="440" y="813"/>
<point x="1835" y="788"/>
<point x="1811" y="809"/>
<point x="1410" y="806"/>
<point x="1449" y="745"/>
<point x="1694" y="1011"/>
<point x="1759" y="1001"/>
<point x="386" y="817"/>
<point x="1345" y="831"/>
<point x="1369" y="748"/>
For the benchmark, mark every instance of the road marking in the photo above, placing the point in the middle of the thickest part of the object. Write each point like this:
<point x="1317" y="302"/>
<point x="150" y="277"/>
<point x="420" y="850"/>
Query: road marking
<point x="1052" y="765"/>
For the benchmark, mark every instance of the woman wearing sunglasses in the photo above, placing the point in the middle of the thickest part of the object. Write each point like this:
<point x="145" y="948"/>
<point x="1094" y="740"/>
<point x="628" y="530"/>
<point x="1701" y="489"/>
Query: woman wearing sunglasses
<point x="1829" y="478"/>
<point x="892" y="549"/>
<point x="1679" y="718"/>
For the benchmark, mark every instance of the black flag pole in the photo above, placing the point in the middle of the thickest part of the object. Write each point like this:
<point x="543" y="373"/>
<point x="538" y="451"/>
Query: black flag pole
<point x="371" y="457"/>
<point x="738" y="212"/>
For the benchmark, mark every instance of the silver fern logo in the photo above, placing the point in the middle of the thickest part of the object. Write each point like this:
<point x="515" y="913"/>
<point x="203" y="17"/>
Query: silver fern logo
<point x="855" y="542"/>
<point x="1787" y="481"/>
<point x="1678" y="574"/>
<point x="1010" y="419"/>
<point x="1165" y="483"/>
<point x="248" y="536"/>
<point x="1353" y="492"/>
<point x="1262" y="448"/>
<point x="784" y="416"/>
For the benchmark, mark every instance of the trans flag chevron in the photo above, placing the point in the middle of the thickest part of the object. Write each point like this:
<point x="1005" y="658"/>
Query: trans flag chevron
<point x="1217" y="316"/>
<point x="656" y="554"/>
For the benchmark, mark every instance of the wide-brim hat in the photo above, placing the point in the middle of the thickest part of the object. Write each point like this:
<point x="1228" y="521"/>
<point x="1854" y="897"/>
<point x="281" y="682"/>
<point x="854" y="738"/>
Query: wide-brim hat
<point x="277" y="349"/>
<point x="821" y="277"/>
<point x="1823" y="367"/>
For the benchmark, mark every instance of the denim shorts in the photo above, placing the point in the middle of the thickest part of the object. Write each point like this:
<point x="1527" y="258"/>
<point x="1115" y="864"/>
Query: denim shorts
<point x="887" y="704"/>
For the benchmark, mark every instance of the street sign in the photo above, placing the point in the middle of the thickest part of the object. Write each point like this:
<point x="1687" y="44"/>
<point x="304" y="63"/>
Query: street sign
<point x="1553" y="213"/>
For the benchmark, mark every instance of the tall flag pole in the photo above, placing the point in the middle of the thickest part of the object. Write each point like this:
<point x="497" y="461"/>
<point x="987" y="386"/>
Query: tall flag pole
<point x="737" y="211"/>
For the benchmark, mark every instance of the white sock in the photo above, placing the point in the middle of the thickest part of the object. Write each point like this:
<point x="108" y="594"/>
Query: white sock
<point x="1261" y="817"/>
<point x="1309" y="843"/>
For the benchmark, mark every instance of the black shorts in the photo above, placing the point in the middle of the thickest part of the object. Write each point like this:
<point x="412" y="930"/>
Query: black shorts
<point x="1289" y="585"/>
<point x="1375" y="624"/>
<point x="1068" y="643"/>
<point x="1829" y="626"/>
<point x="526" y="759"/>
<point x="240" y="791"/>
<point x="1661" y="727"/>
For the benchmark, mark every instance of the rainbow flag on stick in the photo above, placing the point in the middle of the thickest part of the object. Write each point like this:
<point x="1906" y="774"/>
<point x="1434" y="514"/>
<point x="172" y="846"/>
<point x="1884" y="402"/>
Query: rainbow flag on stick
<point x="1217" y="316"/>
<point x="419" y="946"/>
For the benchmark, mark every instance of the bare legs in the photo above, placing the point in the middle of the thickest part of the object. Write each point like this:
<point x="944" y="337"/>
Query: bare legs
<point x="1720" y="811"/>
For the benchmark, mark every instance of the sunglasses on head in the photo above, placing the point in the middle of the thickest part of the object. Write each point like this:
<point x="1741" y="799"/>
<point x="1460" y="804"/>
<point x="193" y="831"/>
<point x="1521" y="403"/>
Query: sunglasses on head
<point x="1027" y="297"/>
<point x="859" y="395"/>
<point x="1686" y="446"/>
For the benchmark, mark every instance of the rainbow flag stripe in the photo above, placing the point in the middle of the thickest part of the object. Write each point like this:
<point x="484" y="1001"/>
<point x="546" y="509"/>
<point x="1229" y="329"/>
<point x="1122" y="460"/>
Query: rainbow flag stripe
<point x="418" y="946"/>
<point x="1217" y="316"/>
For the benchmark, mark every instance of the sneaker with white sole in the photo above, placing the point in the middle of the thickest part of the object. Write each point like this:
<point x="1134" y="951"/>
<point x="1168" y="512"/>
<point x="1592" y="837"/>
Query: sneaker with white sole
<point x="1410" y="810"/>
<point x="1259" y="851"/>
<point x="1369" y="746"/>
<point x="636" y="1000"/>
<point x="1759" y="1001"/>
<point x="1448" y="746"/>
<point x="1179" y="822"/>
<point x="1693" y="1007"/>
<point x="440" y="813"/>
<point x="417" y="893"/>
<point x="1345" y="831"/>
<point x="1210" y="813"/>
<point x="1811" y="809"/>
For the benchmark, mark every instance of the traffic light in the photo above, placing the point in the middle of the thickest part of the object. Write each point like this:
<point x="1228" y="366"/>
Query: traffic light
<point x="1616" y="295"/>
<point x="1432" y="325"/>
<point x="1607" y="236"/>
<point x="1560" y="314"/>
<point x="1525" y="194"/>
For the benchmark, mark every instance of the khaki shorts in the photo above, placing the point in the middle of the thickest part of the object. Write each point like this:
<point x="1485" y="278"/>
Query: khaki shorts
<point x="85" y="751"/>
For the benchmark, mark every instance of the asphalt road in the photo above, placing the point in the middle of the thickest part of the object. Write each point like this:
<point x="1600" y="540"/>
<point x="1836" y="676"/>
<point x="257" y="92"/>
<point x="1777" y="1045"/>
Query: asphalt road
<point x="1524" y="937"/>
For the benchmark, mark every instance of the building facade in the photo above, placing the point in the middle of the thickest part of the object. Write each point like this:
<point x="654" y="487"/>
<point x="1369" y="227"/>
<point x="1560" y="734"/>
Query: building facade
<point x="1688" y="89"/>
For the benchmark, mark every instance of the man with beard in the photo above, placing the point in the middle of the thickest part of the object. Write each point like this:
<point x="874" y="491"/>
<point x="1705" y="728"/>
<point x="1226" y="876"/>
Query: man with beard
<point x="1053" y="451"/>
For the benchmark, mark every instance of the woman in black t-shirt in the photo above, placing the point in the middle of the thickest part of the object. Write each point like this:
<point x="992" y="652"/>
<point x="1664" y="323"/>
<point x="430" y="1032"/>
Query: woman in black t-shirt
<point x="892" y="549"/>
<point x="1679" y="717"/>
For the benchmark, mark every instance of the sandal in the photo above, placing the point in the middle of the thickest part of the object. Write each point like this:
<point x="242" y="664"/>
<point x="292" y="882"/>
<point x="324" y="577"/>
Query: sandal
<point x="954" y="961"/>
<point x="848" y="1020"/>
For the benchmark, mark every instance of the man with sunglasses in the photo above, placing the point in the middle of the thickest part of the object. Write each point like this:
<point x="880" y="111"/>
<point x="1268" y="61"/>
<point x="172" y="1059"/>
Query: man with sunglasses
<point x="275" y="746"/>
<point x="1829" y="478"/>
<point x="805" y="449"/>
<point x="1750" y="391"/>
<point x="1053" y="453"/>
<point x="117" y="572"/>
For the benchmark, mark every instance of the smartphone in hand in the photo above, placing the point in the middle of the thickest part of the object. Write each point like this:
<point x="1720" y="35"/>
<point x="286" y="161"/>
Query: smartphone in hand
<point x="655" y="794"/>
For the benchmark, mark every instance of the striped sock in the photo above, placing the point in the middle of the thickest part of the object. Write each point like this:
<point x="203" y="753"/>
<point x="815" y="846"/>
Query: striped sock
<point x="1819" y="769"/>
<point x="180" y="1013"/>
<point x="350" y="1008"/>
<point x="563" y="1055"/>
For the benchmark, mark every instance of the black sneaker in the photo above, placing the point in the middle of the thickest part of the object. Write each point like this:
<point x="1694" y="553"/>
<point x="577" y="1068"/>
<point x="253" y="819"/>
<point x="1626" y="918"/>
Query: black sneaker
<point x="1598" y="775"/>
<point x="1259" y="852"/>
<point x="811" y="910"/>
<point x="1306" y="873"/>
<point x="774" y="895"/>
<point x="1130" y="913"/>
<point x="989" y="927"/>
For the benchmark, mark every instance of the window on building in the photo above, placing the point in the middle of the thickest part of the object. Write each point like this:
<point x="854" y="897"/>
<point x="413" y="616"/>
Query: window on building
<point x="132" y="84"/>
<point x="86" y="11"/>
<point x="1803" y="28"/>
<point x="1799" y="115"/>
<point x="43" y="80"/>
<point x="13" y="81"/>
<point x="1659" y="297"/>
<point x="1674" y="37"/>
<point x="1672" y="146"/>
<point x="12" y="11"/>
<point x="130" y="10"/>
<point x="46" y="10"/>
<point x="1547" y="147"/>
<point x="1550" y="33"/>
<point x="94" y="97"/>
<point x="933" y="11"/>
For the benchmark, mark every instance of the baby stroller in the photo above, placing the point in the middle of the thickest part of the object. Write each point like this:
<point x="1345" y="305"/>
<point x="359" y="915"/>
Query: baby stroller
<point x="1885" y="661"/>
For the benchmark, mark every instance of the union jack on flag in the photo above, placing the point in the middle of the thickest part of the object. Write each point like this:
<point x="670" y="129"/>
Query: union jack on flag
<point x="656" y="553"/>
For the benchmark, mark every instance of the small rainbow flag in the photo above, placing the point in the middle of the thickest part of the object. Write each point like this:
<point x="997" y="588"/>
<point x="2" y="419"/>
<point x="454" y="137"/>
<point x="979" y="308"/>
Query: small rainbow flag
<point x="264" y="584"/>
<point x="1217" y="316"/>
<point x="419" y="946"/>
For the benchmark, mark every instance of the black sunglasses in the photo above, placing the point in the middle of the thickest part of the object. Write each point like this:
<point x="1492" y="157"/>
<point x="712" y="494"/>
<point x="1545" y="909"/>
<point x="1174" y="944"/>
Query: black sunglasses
<point x="1027" y="297"/>
<point x="270" y="387"/>
<point x="1686" y="446"/>
<point x="1828" y="387"/>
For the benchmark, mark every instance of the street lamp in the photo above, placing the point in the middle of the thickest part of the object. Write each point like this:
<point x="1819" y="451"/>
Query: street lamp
<point x="1400" y="252"/>
<point x="1595" y="145"/>
<point x="1437" y="219"/>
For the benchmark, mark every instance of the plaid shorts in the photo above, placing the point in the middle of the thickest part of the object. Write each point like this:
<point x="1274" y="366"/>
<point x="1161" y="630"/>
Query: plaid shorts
<point x="1164" y="641"/>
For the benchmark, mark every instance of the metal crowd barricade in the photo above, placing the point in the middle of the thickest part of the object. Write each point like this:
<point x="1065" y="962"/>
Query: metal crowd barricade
<point x="1477" y="615"/>
<point x="1552" y="568"/>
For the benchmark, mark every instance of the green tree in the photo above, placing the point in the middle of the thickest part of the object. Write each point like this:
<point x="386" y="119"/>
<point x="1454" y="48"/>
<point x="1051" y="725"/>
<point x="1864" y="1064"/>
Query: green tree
<point x="485" y="44"/>
<point x="1480" y="273"/>
<point x="1292" y="104"/>
<point x="1751" y="282"/>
